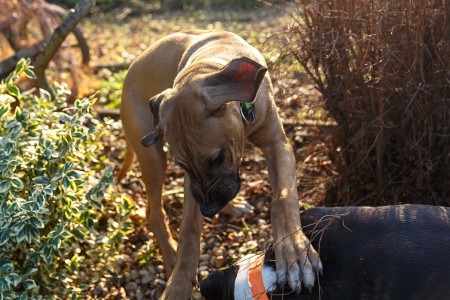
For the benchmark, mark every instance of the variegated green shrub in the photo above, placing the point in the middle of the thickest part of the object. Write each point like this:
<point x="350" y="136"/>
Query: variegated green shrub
<point x="60" y="220"/>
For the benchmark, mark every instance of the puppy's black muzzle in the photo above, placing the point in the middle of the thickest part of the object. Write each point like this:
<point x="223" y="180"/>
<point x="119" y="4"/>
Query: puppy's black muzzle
<point x="217" y="195"/>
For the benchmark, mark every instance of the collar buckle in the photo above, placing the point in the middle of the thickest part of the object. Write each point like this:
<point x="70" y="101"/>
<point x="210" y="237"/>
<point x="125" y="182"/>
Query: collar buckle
<point x="247" y="112"/>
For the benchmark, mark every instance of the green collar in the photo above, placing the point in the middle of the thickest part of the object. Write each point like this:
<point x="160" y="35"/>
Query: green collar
<point x="247" y="112"/>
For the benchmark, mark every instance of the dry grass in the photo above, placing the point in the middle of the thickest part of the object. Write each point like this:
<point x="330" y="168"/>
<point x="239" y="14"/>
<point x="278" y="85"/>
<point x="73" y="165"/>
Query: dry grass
<point x="383" y="68"/>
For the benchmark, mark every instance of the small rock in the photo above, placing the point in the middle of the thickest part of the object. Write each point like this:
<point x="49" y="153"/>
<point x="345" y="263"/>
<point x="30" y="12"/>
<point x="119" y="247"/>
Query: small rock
<point x="263" y="234"/>
<point x="147" y="279"/>
<point x="119" y="262"/>
<point x="211" y="241"/>
<point x="204" y="263"/>
<point x="159" y="268"/>
<point x="219" y="261"/>
<point x="196" y="295"/>
<point x="219" y="252"/>
<point x="204" y="274"/>
<point x="139" y="294"/>
<point x="131" y="286"/>
<point x="134" y="274"/>
<point x="260" y="204"/>
<point x="99" y="289"/>
<point x="152" y="269"/>
<point x="205" y="257"/>
<point x="262" y="244"/>
<point x="202" y="268"/>
<point x="160" y="282"/>
<point x="120" y="294"/>
<point x="144" y="273"/>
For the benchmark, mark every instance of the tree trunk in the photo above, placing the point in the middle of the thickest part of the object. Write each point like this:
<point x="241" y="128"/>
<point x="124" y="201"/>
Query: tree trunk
<point x="59" y="35"/>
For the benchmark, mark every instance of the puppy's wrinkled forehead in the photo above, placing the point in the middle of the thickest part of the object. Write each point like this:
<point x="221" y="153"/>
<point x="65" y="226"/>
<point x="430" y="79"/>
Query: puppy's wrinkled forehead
<point x="193" y="132"/>
<point x="196" y="101"/>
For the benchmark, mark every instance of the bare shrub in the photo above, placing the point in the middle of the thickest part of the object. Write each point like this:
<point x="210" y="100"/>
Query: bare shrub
<point x="383" y="68"/>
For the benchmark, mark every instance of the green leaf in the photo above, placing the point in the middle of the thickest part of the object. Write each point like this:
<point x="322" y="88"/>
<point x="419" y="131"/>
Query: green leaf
<point x="64" y="117"/>
<point x="5" y="186"/>
<point x="6" y="267"/>
<point x="30" y="74"/>
<point x="13" y="90"/>
<point x="20" y="66"/>
<point x="4" y="237"/>
<point x="65" y="234"/>
<point x="29" y="284"/>
<point x="17" y="228"/>
<point x="33" y="257"/>
<point x="30" y="270"/>
<point x="17" y="184"/>
<point x="36" y="222"/>
<point x="23" y="296"/>
<point x="46" y="95"/>
<point x="73" y="174"/>
<point x="3" y="110"/>
<point x="42" y="180"/>
<point x="13" y="279"/>
<point x="11" y="78"/>
<point x="35" y="234"/>
<point x="21" y="235"/>
<point x="4" y="285"/>
<point x="56" y="243"/>
<point x="67" y="166"/>
<point x="19" y="115"/>
<point x="10" y="123"/>
<point x="79" y="234"/>
<point x="40" y="200"/>
<point x="66" y="182"/>
<point x="47" y="257"/>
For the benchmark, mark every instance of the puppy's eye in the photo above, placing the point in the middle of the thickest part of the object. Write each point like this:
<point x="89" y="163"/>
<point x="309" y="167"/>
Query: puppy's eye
<point x="218" y="160"/>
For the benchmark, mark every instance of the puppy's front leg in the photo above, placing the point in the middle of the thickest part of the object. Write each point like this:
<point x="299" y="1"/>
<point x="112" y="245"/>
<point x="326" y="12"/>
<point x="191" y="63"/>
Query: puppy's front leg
<point x="295" y="257"/>
<point x="179" y="286"/>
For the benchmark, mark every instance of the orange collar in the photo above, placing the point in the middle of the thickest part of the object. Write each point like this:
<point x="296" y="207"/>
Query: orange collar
<point x="255" y="279"/>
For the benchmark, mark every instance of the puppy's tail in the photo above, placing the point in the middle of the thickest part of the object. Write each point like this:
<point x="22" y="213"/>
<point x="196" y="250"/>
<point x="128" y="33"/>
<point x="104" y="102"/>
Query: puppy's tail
<point x="130" y="157"/>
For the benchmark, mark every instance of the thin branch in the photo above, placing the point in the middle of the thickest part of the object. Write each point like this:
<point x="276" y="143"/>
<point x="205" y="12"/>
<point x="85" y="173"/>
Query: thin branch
<point x="55" y="41"/>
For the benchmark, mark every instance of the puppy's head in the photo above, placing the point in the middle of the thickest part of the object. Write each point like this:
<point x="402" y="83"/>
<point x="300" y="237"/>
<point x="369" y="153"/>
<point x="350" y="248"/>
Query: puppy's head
<point x="233" y="283"/>
<point x="201" y="121"/>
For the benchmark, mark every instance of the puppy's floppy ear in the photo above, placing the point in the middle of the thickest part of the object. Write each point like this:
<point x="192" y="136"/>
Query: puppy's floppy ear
<point x="154" y="104"/>
<point x="151" y="138"/>
<point x="239" y="80"/>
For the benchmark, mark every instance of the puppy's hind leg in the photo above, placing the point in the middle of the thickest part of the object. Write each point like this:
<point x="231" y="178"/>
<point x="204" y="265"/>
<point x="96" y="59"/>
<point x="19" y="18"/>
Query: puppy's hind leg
<point x="130" y="157"/>
<point x="137" y="122"/>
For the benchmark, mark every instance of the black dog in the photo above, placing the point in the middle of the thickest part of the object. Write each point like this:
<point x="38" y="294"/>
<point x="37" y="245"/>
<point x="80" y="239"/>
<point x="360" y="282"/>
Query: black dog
<point x="392" y="252"/>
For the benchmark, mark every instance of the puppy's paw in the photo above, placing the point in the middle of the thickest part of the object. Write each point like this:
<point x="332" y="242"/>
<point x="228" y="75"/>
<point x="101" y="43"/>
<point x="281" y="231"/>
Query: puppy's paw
<point x="297" y="262"/>
<point x="237" y="208"/>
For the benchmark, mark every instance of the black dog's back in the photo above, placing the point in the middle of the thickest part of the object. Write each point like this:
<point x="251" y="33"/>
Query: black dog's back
<point x="392" y="252"/>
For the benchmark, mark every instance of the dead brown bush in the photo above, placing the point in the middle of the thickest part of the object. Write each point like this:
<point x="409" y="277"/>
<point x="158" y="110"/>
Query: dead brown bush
<point x="383" y="68"/>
